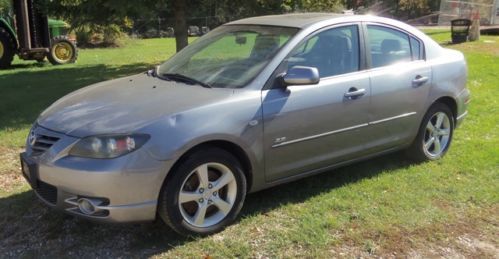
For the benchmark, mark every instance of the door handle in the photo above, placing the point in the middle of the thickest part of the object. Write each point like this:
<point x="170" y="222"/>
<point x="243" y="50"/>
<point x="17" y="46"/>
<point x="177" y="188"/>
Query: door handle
<point x="354" y="93"/>
<point x="419" y="80"/>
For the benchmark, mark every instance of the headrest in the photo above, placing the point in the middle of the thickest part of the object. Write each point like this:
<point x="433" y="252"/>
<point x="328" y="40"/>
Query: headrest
<point x="390" y="45"/>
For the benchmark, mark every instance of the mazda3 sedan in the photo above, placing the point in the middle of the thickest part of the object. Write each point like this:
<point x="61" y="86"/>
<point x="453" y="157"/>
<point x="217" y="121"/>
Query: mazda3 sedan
<point x="252" y="104"/>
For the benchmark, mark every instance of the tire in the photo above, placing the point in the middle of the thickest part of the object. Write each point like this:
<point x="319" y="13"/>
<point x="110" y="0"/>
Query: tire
<point x="203" y="195"/>
<point x="430" y="136"/>
<point x="62" y="51"/>
<point x="7" y="49"/>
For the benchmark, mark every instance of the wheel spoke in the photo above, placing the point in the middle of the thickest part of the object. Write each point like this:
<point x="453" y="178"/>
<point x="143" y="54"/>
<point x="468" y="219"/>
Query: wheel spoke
<point x="428" y="144"/>
<point x="222" y="181"/>
<point x="184" y="196"/>
<point x="440" y="119"/>
<point x="430" y="127"/>
<point x="444" y="132"/>
<point x="202" y="173"/>
<point x="437" y="148"/>
<point x="222" y="205"/>
<point x="200" y="214"/>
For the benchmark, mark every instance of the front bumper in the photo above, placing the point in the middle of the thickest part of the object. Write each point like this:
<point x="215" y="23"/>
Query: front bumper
<point x="128" y="186"/>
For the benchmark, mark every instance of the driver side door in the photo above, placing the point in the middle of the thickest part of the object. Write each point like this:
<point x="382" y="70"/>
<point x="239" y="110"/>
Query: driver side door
<point x="309" y="127"/>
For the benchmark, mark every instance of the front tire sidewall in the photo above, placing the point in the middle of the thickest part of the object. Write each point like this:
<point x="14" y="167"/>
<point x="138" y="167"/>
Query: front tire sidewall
<point x="168" y="208"/>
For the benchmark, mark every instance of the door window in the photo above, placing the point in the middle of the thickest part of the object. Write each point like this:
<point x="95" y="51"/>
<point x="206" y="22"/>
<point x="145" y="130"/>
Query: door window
<point x="332" y="52"/>
<point x="417" y="54"/>
<point x="388" y="46"/>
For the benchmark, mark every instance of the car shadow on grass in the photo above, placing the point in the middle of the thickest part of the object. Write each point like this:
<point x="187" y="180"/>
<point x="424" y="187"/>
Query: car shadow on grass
<point x="26" y="90"/>
<point x="29" y="228"/>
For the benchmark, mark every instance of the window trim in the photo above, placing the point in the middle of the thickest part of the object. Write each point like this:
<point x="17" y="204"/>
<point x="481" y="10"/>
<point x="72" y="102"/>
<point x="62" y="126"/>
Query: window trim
<point x="362" y="54"/>
<point x="368" y="56"/>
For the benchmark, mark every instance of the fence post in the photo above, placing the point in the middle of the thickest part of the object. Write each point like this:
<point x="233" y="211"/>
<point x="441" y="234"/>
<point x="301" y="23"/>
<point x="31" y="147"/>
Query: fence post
<point x="475" y="26"/>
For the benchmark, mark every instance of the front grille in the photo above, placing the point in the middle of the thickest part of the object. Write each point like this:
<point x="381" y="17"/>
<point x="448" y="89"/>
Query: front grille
<point x="43" y="143"/>
<point x="47" y="192"/>
<point x="40" y="140"/>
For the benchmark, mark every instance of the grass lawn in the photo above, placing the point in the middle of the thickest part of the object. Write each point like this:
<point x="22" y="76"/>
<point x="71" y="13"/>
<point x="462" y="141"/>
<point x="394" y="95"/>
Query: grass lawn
<point x="386" y="206"/>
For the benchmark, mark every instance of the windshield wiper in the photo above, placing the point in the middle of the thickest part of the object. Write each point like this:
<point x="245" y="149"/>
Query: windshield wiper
<point x="185" y="79"/>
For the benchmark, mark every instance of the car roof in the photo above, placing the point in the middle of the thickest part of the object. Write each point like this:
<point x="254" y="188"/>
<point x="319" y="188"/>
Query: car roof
<point x="297" y="20"/>
<point x="303" y="20"/>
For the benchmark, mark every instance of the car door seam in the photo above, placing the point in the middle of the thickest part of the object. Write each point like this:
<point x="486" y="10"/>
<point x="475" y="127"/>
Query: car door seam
<point x="392" y="118"/>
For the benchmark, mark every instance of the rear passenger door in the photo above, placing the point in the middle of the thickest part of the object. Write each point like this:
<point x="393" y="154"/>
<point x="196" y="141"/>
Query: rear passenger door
<point x="400" y="82"/>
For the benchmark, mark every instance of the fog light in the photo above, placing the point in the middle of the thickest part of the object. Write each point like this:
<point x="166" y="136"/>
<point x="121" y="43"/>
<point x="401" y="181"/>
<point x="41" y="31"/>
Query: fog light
<point x="86" y="206"/>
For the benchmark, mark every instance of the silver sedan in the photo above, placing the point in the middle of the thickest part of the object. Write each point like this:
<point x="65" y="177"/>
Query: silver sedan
<point x="252" y="104"/>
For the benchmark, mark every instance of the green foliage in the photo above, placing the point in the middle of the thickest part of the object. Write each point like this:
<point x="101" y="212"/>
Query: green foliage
<point x="5" y="6"/>
<point x="97" y="21"/>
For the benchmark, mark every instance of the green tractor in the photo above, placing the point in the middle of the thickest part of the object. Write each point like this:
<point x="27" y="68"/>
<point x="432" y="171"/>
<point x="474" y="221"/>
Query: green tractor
<point x="27" y="32"/>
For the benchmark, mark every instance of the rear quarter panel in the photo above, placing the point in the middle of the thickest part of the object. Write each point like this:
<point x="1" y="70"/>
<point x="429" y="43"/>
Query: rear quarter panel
<point x="449" y="73"/>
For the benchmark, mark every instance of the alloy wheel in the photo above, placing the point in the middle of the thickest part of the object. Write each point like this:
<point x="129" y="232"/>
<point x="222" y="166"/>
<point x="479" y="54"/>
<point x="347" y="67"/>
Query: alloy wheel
<point x="207" y="195"/>
<point x="437" y="135"/>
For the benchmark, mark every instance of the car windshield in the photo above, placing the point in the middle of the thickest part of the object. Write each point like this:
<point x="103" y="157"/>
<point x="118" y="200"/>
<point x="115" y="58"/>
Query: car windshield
<point x="229" y="56"/>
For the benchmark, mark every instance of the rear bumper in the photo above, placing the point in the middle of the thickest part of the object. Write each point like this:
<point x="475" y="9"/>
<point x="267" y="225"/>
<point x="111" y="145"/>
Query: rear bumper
<point x="463" y="99"/>
<point x="460" y="118"/>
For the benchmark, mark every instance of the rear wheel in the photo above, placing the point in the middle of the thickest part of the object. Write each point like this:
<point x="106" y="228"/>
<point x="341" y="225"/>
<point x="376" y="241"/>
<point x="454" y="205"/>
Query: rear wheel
<point x="62" y="51"/>
<point x="435" y="134"/>
<point x="7" y="49"/>
<point x="204" y="194"/>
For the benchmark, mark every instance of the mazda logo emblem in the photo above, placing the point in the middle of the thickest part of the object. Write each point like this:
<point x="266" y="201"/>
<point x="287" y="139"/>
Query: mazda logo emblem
<point x="32" y="138"/>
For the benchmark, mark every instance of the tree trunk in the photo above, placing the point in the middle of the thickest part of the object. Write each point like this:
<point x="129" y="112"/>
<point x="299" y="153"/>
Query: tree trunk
<point x="179" y="7"/>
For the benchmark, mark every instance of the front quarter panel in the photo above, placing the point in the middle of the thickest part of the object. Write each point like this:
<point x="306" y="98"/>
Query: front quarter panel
<point x="236" y="120"/>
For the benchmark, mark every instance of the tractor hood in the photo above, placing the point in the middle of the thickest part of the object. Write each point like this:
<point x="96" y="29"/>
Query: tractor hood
<point x="57" y="24"/>
<point x="125" y="105"/>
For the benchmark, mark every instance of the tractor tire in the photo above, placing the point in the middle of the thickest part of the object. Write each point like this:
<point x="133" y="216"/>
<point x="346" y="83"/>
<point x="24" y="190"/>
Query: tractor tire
<point x="7" y="49"/>
<point x="62" y="51"/>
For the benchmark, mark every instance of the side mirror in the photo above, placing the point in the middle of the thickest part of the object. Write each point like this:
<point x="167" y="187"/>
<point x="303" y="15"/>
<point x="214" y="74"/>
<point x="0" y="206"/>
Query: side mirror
<point x="301" y="75"/>
<point x="153" y="72"/>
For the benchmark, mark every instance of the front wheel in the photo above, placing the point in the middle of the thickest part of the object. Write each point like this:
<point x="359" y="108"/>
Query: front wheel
<point x="62" y="51"/>
<point x="204" y="194"/>
<point x="435" y="134"/>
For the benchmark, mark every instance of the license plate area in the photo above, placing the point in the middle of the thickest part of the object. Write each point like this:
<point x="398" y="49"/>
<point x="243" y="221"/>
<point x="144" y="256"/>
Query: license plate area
<point x="29" y="170"/>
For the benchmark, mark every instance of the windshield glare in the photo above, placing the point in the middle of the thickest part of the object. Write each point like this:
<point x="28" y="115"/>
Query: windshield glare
<point x="229" y="56"/>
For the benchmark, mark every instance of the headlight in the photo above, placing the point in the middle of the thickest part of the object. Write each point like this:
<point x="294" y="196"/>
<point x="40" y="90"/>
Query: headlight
<point x="108" y="146"/>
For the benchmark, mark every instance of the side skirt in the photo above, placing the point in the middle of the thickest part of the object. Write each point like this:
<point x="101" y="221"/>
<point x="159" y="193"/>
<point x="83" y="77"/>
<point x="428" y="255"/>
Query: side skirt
<point x="327" y="168"/>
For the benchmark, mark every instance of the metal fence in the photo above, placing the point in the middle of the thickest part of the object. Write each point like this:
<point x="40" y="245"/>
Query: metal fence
<point x="486" y="10"/>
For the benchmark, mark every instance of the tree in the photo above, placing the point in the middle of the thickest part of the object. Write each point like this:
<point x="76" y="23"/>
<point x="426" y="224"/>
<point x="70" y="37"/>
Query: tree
<point x="181" y="36"/>
<point x="5" y="6"/>
<point x="98" y="14"/>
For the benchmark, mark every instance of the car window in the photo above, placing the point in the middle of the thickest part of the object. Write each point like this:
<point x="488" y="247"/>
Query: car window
<point x="229" y="56"/>
<point x="416" y="49"/>
<point x="332" y="52"/>
<point x="388" y="46"/>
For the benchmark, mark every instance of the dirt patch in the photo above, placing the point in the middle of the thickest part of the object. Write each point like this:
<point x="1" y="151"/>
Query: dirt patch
<point x="472" y="236"/>
<point x="8" y="182"/>
<point x="10" y="168"/>
<point x="9" y="159"/>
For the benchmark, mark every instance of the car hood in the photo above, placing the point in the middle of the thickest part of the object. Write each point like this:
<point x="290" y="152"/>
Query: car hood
<point x="125" y="105"/>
